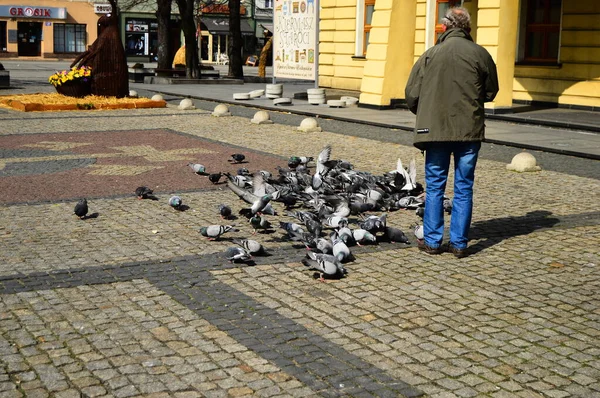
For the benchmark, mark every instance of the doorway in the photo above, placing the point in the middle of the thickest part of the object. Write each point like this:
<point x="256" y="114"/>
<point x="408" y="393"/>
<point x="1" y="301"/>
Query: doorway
<point x="30" y="39"/>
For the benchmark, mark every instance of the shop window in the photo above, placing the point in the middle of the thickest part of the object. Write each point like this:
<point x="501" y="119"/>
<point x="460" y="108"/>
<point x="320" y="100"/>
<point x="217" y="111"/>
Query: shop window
<point x="440" y="11"/>
<point x="542" y="31"/>
<point x="69" y="38"/>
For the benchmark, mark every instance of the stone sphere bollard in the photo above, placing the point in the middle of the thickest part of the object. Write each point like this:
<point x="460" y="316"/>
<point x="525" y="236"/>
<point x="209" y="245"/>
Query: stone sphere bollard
<point x="133" y="94"/>
<point x="261" y="117"/>
<point x="221" y="110"/>
<point x="522" y="162"/>
<point x="157" y="97"/>
<point x="186" y="104"/>
<point x="309" y="125"/>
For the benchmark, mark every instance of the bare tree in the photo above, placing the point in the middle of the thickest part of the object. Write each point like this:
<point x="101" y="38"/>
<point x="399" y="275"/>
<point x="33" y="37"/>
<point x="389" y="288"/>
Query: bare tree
<point x="163" y="16"/>
<point x="187" y="10"/>
<point x="235" y="33"/>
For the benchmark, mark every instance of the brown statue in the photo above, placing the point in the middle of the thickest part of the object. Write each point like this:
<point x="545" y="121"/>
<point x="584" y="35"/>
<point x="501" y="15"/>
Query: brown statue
<point x="106" y="57"/>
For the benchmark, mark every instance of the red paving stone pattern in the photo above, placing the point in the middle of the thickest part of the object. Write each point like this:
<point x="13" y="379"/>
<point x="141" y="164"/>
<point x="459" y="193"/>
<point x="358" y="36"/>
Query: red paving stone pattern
<point x="113" y="163"/>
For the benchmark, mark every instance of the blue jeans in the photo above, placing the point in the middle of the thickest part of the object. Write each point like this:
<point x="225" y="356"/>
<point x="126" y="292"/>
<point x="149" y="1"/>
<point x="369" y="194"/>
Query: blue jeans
<point x="437" y="164"/>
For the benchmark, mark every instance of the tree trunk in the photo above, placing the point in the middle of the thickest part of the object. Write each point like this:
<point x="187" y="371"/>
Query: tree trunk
<point x="235" y="35"/>
<point x="188" y="25"/>
<point x="264" y="54"/>
<point x="164" y="51"/>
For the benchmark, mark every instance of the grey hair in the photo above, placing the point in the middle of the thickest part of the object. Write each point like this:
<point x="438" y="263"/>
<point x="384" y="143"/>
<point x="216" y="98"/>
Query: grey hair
<point x="457" y="17"/>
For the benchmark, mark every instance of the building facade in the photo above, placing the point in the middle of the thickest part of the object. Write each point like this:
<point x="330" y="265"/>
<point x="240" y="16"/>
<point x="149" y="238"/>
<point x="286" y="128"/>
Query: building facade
<point x="546" y="51"/>
<point x="47" y="29"/>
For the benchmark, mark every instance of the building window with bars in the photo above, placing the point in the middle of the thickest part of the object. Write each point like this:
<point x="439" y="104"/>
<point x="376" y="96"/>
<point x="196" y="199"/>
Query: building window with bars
<point x="69" y="38"/>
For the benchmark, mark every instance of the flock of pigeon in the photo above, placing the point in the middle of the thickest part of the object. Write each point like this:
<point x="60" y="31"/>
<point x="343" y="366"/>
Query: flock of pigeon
<point x="321" y="205"/>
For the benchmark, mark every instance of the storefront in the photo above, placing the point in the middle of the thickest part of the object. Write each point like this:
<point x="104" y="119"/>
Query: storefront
<point x="140" y="35"/>
<point x="215" y="39"/>
<point x="35" y="30"/>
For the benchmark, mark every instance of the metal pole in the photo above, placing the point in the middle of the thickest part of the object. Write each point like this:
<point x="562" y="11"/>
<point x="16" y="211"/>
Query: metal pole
<point x="274" y="80"/>
<point x="317" y="15"/>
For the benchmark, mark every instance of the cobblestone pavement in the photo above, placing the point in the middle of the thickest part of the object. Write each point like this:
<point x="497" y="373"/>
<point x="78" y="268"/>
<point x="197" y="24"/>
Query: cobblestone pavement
<point x="136" y="303"/>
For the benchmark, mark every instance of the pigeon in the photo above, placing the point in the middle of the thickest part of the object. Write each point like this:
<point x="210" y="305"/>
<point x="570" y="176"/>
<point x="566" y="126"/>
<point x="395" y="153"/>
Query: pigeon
<point x="215" y="177"/>
<point x="325" y="246"/>
<point x="198" y="168"/>
<point x="374" y="224"/>
<point x="291" y="228"/>
<point x="235" y="253"/>
<point x="345" y="234"/>
<point x="418" y="231"/>
<point x="339" y="249"/>
<point x="363" y="236"/>
<point x="336" y="222"/>
<point x="175" y="202"/>
<point x="447" y="204"/>
<point x="259" y="222"/>
<point x="251" y="246"/>
<point x="242" y="171"/>
<point x="410" y="175"/>
<point x="322" y="167"/>
<point x="143" y="192"/>
<point x="257" y="207"/>
<point x="224" y="211"/>
<point x="395" y="235"/>
<point x="213" y="232"/>
<point x="327" y="265"/>
<point x="81" y="208"/>
<point x="237" y="158"/>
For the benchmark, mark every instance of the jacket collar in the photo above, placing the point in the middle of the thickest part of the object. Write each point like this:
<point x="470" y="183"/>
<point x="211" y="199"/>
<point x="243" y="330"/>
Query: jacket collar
<point x="454" y="32"/>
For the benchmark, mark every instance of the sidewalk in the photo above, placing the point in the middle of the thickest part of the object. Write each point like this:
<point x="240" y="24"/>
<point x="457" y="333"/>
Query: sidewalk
<point x="563" y="131"/>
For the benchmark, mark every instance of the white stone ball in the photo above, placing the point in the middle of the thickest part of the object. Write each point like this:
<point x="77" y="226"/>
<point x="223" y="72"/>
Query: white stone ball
<point x="157" y="97"/>
<point x="309" y="123"/>
<point x="261" y="116"/>
<point x="186" y="103"/>
<point x="221" y="110"/>
<point x="523" y="162"/>
<point x="133" y="93"/>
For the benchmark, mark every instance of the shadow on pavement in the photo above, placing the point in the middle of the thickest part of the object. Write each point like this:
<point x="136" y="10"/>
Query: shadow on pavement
<point x="493" y="231"/>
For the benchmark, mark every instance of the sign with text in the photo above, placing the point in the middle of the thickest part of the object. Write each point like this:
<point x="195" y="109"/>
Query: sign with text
<point x="33" y="12"/>
<point x="295" y="39"/>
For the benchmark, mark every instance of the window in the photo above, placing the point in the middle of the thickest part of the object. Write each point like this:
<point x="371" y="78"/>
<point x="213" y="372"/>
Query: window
<point x="440" y="11"/>
<point x="268" y="4"/>
<point x="369" y="9"/>
<point x="69" y="38"/>
<point x="542" y="31"/>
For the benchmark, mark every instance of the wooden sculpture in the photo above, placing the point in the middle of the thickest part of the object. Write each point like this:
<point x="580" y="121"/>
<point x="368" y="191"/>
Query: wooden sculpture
<point x="106" y="57"/>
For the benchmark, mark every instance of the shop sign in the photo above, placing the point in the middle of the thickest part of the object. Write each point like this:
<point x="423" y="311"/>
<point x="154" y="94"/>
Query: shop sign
<point x="102" y="8"/>
<point x="33" y="12"/>
<point x="295" y="39"/>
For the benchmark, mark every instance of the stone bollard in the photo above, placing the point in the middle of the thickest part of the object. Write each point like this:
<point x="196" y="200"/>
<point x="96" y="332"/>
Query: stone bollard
<point x="310" y="125"/>
<point x="157" y="97"/>
<point x="186" y="104"/>
<point x="221" y="110"/>
<point x="261" y="117"/>
<point x="523" y="162"/>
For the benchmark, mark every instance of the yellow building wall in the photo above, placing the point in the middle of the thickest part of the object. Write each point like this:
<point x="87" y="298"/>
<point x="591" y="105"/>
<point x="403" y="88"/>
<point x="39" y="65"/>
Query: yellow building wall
<point x="80" y="12"/>
<point x="337" y="39"/>
<point x="576" y="81"/>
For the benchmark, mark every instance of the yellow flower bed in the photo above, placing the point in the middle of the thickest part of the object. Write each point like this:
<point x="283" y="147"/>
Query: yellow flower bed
<point x="55" y="101"/>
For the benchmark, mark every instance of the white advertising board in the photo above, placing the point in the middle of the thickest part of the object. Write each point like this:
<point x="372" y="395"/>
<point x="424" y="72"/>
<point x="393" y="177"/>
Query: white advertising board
<point x="295" y="39"/>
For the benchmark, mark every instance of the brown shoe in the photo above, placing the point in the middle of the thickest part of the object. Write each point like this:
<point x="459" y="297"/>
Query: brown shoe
<point x="458" y="253"/>
<point x="424" y="247"/>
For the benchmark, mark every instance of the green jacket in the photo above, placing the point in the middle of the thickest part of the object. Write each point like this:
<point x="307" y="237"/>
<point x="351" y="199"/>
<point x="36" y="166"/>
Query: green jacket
<point x="447" y="88"/>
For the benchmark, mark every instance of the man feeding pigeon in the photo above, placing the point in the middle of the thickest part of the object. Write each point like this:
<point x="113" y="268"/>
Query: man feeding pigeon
<point x="446" y="89"/>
